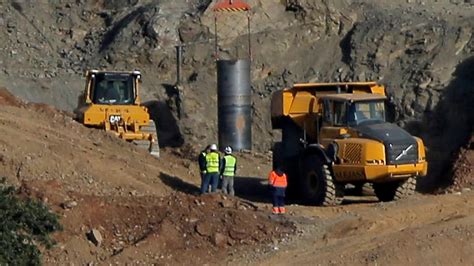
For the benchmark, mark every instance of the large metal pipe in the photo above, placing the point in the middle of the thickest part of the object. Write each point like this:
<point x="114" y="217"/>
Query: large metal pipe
<point x="234" y="98"/>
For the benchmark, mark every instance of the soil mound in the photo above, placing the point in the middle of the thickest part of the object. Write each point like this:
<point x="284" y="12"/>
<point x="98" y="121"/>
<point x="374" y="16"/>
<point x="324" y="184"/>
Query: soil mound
<point x="142" y="209"/>
<point x="463" y="170"/>
<point x="6" y="98"/>
<point x="178" y="228"/>
<point x="40" y="142"/>
<point x="131" y="200"/>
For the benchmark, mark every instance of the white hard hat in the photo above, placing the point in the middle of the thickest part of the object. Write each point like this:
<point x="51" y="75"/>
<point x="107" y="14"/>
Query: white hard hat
<point x="228" y="150"/>
<point x="213" y="147"/>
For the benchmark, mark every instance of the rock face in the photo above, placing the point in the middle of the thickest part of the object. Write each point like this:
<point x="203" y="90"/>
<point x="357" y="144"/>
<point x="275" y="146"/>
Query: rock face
<point x="463" y="170"/>
<point x="422" y="61"/>
<point x="420" y="52"/>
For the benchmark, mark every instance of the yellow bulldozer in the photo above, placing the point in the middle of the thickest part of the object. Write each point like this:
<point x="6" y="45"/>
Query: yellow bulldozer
<point x="111" y="102"/>
<point x="336" y="134"/>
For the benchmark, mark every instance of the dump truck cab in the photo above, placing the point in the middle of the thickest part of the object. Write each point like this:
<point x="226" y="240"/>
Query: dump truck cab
<point x="334" y="134"/>
<point x="343" y="113"/>
<point x="365" y="144"/>
<point x="353" y="109"/>
<point x="111" y="101"/>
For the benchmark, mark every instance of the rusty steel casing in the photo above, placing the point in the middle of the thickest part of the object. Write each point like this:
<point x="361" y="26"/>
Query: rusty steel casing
<point x="234" y="98"/>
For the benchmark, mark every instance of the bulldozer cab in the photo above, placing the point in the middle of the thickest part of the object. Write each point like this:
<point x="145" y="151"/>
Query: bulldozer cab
<point x="352" y="110"/>
<point x="112" y="88"/>
<point x="111" y="102"/>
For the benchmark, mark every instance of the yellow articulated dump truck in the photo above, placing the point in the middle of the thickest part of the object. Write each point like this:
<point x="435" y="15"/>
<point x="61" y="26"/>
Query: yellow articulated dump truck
<point x="334" y="134"/>
<point x="111" y="102"/>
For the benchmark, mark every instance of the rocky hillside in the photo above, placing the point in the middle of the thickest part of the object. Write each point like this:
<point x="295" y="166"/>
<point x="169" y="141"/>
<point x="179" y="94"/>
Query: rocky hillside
<point x="421" y="51"/>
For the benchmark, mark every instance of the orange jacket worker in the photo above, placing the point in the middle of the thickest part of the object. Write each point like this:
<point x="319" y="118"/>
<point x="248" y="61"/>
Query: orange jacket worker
<point x="278" y="181"/>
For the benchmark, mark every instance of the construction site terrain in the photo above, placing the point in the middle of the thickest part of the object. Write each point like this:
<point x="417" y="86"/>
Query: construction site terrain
<point x="148" y="210"/>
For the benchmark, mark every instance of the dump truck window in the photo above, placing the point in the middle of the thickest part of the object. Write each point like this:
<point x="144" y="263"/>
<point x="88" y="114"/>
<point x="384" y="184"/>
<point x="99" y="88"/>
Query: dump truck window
<point x="366" y="111"/>
<point x="327" y="111"/>
<point x="377" y="110"/>
<point x="340" y="112"/>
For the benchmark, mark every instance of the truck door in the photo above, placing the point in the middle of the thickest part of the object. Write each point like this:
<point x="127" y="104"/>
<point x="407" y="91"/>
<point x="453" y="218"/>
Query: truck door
<point x="335" y="121"/>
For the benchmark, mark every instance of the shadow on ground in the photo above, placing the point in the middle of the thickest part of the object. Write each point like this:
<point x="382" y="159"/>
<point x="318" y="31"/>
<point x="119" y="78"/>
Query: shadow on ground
<point x="167" y="129"/>
<point x="178" y="184"/>
<point x="252" y="188"/>
<point x="255" y="189"/>
<point x="358" y="200"/>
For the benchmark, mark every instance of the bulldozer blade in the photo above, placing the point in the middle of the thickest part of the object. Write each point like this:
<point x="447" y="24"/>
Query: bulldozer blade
<point x="155" y="150"/>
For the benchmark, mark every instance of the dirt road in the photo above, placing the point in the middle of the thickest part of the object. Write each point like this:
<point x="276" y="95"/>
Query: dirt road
<point x="423" y="230"/>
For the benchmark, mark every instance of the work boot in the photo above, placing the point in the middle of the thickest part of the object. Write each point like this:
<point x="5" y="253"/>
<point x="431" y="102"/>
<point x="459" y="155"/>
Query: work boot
<point x="275" y="210"/>
<point x="282" y="210"/>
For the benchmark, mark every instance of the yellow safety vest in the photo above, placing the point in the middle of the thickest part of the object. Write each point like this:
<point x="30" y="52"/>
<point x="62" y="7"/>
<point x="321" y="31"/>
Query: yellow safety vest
<point x="230" y="162"/>
<point x="212" y="162"/>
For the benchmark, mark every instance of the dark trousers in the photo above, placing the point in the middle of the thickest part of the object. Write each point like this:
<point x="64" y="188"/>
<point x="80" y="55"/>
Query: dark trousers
<point x="278" y="196"/>
<point x="210" y="179"/>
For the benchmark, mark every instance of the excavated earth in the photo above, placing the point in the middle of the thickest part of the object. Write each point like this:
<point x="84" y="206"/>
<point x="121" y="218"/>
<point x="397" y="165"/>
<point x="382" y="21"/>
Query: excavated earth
<point x="147" y="210"/>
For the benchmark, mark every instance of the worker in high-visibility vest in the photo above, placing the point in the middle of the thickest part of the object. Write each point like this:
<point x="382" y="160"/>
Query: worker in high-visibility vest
<point x="202" y="162"/>
<point x="228" y="169"/>
<point x="277" y="181"/>
<point x="212" y="170"/>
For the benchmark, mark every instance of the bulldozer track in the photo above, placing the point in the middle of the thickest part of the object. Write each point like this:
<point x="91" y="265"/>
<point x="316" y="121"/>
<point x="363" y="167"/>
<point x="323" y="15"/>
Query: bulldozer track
<point x="145" y="144"/>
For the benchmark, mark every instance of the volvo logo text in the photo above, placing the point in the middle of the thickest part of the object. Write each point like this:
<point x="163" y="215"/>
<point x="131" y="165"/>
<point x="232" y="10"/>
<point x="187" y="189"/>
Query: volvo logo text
<point x="404" y="152"/>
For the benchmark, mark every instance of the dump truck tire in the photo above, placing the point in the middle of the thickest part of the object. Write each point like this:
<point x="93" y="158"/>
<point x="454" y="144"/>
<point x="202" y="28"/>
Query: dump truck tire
<point x="290" y="168"/>
<point x="395" y="190"/>
<point x="406" y="189"/>
<point x="316" y="183"/>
